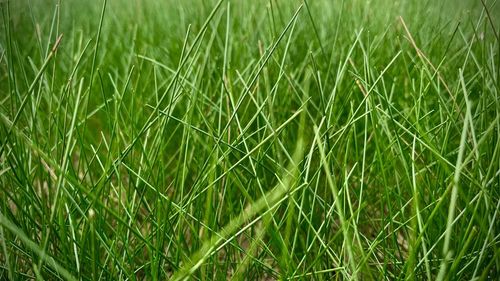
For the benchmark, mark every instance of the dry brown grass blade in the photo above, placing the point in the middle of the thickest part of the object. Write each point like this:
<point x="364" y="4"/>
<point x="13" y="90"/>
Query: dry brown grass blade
<point x="424" y="59"/>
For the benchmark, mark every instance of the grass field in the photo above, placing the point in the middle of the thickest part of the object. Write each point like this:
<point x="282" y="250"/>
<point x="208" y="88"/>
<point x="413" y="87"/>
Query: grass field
<point x="249" y="140"/>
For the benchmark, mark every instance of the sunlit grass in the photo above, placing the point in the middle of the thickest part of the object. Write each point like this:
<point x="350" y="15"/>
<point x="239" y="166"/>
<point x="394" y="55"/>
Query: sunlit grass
<point x="249" y="140"/>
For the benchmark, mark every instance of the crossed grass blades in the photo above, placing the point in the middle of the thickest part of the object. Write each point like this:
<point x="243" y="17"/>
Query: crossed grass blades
<point x="249" y="140"/>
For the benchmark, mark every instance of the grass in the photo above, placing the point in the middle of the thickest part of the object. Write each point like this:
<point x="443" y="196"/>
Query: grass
<point x="249" y="140"/>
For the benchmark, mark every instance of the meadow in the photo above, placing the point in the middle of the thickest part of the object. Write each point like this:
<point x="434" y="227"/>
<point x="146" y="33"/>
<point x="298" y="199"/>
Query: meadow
<point x="249" y="140"/>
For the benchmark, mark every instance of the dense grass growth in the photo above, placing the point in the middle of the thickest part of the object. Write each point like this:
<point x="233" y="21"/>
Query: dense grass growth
<point x="254" y="140"/>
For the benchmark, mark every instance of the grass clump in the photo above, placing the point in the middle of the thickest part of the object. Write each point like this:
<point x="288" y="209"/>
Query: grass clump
<point x="249" y="140"/>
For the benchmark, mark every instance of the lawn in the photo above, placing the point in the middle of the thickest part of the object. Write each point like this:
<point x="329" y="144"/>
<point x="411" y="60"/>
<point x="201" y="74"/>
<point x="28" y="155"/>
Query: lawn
<point x="249" y="140"/>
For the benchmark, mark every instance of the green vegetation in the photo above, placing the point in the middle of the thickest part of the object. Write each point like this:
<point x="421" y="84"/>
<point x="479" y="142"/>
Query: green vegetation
<point x="254" y="140"/>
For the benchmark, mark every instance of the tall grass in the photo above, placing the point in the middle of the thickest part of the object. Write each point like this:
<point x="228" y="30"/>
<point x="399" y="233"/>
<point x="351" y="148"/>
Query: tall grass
<point x="252" y="140"/>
